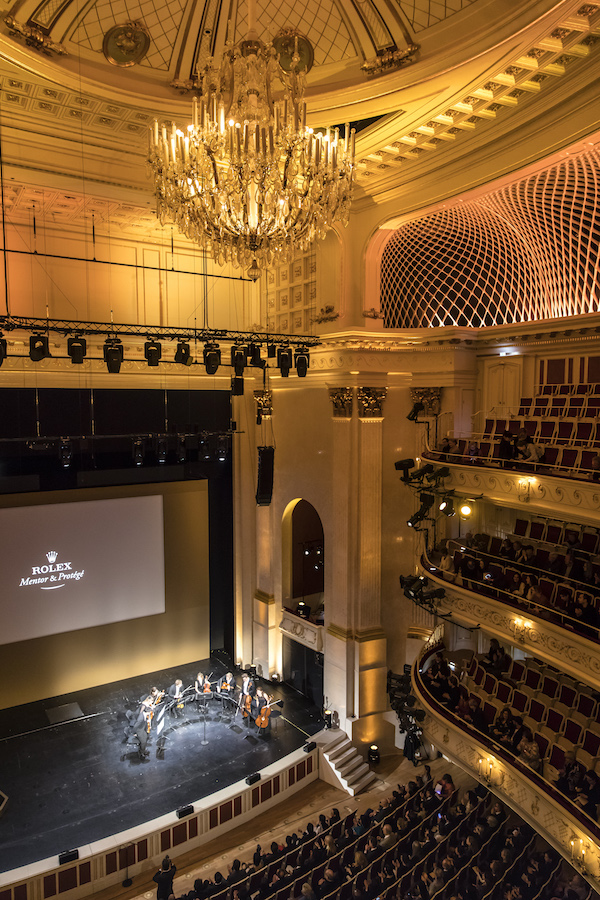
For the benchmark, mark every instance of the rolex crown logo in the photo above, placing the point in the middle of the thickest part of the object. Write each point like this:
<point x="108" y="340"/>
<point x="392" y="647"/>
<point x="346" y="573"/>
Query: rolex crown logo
<point x="51" y="556"/>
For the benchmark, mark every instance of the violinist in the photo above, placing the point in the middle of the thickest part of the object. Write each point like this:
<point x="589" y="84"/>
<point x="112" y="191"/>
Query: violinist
<point x="149" y="705"/>
<point x="226" y="684"/>
<point x="176" y="695"/>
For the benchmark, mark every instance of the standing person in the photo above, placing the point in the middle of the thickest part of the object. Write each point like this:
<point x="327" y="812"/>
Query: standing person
<point x="164" y="879"/>
<point x="176" y="696"/>
<point x="506" y="450"/>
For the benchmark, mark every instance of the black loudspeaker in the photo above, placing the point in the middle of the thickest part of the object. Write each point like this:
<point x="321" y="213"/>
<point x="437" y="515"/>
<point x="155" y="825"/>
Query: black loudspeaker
<point x="309" y="747"/>
<point x="252" y="779"/>
<point x="184" y="811"/>
<point x="264" y="484"/>
<point x="67" y="857"/>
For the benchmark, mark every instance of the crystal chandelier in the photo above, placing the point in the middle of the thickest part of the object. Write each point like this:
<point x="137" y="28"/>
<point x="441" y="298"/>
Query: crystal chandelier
<point x="248" y="180"/>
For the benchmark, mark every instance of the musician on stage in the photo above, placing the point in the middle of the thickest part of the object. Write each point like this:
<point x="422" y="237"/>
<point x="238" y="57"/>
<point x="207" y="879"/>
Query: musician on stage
<point x="148" y="707"/>
<point x="176" y="695"/>
<point x="261" y="710"/>
<point x="227" y="684"/>
<point x="246" y="696"/>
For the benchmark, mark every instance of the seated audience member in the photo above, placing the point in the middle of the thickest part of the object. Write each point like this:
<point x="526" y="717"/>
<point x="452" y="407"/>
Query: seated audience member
<point x="475" y="715"/>
<point x="585" y="613"/>
<point x="506" y="450"/>
<point x="529" y="751"/>
<point x="471" y="570"/>
<point x="472" y="452"/>
<point x="504" y="725"/>
<point x="447" y="565"/>
<point x="555" y="564"/>
<point x="514" y="585"/>
<point x="594" y="473"/>
<point x="506" y="550"/>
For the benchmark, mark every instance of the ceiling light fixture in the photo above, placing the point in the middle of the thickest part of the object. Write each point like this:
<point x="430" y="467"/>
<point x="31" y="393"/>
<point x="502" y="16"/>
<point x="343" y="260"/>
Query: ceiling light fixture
<point x="248" y="181"/>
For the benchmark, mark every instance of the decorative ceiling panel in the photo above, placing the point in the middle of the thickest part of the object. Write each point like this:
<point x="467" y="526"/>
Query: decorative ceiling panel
<point x="425" y="13"/>
<point x="524" y="252"/>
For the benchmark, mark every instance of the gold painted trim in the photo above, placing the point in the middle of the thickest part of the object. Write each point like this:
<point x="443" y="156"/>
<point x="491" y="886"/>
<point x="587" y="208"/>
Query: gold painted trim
<point x="361" y="637"/>
<point x="262" y="597"/>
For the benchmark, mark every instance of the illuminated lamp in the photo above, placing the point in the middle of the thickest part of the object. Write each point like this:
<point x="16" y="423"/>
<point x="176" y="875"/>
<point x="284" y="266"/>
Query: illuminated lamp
<point x="38" y="347"/>
<point x="414" y="413"/>
<point x="284" y="361"/>
<point x="447" y="507"/>
<point x="374" y="755"/>
<point x="113" y="355"/>
<point x="328" y="716"/>
<point x="301" y="361"/>
<point x="212" y="358"/>
<point x="77" y="349"/>
<point x="183" y="354"/>
<point x="465" y="510"/>
<point x="152" y="352"/>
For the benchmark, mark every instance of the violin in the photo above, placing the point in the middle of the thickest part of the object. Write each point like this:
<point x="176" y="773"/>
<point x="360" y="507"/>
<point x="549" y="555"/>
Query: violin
<point x="207" y="689"/>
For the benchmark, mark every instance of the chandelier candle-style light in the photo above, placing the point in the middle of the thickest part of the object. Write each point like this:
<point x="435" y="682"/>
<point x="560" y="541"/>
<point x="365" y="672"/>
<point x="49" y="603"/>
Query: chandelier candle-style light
<point x="248" y="180"/>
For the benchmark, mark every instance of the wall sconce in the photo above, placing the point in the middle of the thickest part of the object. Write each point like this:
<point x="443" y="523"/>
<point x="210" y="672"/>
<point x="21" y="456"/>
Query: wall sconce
<point x="524" y="486"/>
<point x="578" y="854"/>
<point x="489" y="772"/>
<point x="520" y="629"/>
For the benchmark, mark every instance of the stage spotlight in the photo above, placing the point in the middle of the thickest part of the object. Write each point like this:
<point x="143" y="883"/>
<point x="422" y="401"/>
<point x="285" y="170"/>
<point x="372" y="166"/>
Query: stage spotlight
<point x="442" y="472"/>
<point x="237" y="386"/>
<point x="403" y="465"/>
<point x="161" y="450"/>
<point x="465" y="510"/>
<point x="415" y="519"/>
<point x="137" y="451"/>
<point x="3" y="350"/>
<point x="427" y="501"/>
<point x="420" y="473"/>
<point x="183" y="354"/>
<point x="435" y="594"/>
<point x="407" y="581"/>
<point x="271" y="351"/>
<point x="447" y="507"/>
<point x="301" y="360"/>
<point x="255" y="357"/>
<point x="414" y="413"/>
<point x="222" y="447"/>
<point x="238" y="360"/>
<point x="113" y="355"/>
<point x="284" y="361"/>
<point x="152" y="352"/>
<point x="65" y="454"/>
<point x="212" y="358"/>
<point x="204" y="448"/>
<point x="374" y="755"/>
<point x="38" y="347"/>
<point x="77" y="349"/>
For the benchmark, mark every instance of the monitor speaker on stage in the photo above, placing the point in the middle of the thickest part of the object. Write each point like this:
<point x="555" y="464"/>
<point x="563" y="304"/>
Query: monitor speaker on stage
<point x="309" y="747"/>
<point x="264" y="483"/>
<point x="252" y="779"/>
<point x="184" y="811"/>
<point x="67" y="857"/>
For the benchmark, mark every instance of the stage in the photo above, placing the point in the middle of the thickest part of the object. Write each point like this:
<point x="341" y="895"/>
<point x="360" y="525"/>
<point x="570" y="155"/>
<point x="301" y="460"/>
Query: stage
<point x="78" y="781"/>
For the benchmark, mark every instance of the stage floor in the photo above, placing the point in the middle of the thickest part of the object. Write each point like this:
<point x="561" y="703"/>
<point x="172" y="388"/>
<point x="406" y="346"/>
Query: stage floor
<point x="73" y="783"/>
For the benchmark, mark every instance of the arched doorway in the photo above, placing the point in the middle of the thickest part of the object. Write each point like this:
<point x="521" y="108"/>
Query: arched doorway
<point x="303" y="596"/>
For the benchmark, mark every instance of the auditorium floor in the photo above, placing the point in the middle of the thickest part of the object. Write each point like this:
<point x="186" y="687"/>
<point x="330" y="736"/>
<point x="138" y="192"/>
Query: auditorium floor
<point x="73" y="783"/>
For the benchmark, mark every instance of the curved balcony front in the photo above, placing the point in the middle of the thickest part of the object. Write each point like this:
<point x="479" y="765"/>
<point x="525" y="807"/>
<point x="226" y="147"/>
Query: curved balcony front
<point x="541" y="632"/>
<point x="566" y="827"/>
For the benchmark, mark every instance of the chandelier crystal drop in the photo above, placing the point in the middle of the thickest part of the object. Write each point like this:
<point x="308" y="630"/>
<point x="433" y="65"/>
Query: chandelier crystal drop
<point x="248" y="181"/>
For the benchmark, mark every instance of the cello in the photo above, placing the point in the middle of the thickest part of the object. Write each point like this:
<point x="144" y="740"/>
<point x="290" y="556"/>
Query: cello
<point x="262" y="719"/>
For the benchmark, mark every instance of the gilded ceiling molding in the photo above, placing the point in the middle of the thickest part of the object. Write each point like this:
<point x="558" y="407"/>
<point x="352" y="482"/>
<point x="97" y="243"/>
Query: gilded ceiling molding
<point x="390" y="60"/>
<point x="343" y="400"/>
<point x="429" y="397"/>
<point x="370" y="402"/>
<point x="34" y="37"/>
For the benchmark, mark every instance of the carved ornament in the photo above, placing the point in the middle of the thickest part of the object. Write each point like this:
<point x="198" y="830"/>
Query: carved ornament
<point x="342" y="399"/>
<point x="370" y="402"/>
<point x="429" y="397"/>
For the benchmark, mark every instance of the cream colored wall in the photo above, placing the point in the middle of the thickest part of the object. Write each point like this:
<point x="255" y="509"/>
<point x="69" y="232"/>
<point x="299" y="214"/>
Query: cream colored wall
<point x="67" y="662"/>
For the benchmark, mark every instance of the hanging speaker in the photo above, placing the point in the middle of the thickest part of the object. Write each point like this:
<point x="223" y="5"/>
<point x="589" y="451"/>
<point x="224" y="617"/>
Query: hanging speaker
<point x="264" y="482"/>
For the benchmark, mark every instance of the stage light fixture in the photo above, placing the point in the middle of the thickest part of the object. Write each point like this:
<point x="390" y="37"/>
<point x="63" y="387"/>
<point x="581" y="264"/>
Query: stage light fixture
<point x="222" y="447"/>
<point x="420" y="473"/>
<point x="301" y="361"/>
<point x="238" y="360"/>
<point x="183" y="354"/>
<point x="255" y="357"/>
<point x="138" y="451"/>
<point x="271" y="351"/>
<point x="113" y="355"/>
<point x="212" y="358"/>
<point x="152" y="352"/>
<point x="284" y="361"/>
<point x="65" y="454"/>
<point x="3" y="350"/>
<point x="403" y="465"/>
<point x="427" y="501"/>
<point x="237" y="386"/>
<point x="181" y="450"/>
<point x="465" y="510"/>
<point x="374" y="755"/>
<point x="77" y="349"/>
<point x="38" y="347"/>
<point x="161" y="450"/>
<point x="434" y="594"/>
<point x="414" y="413"/>
<point x="447" y="507"/>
